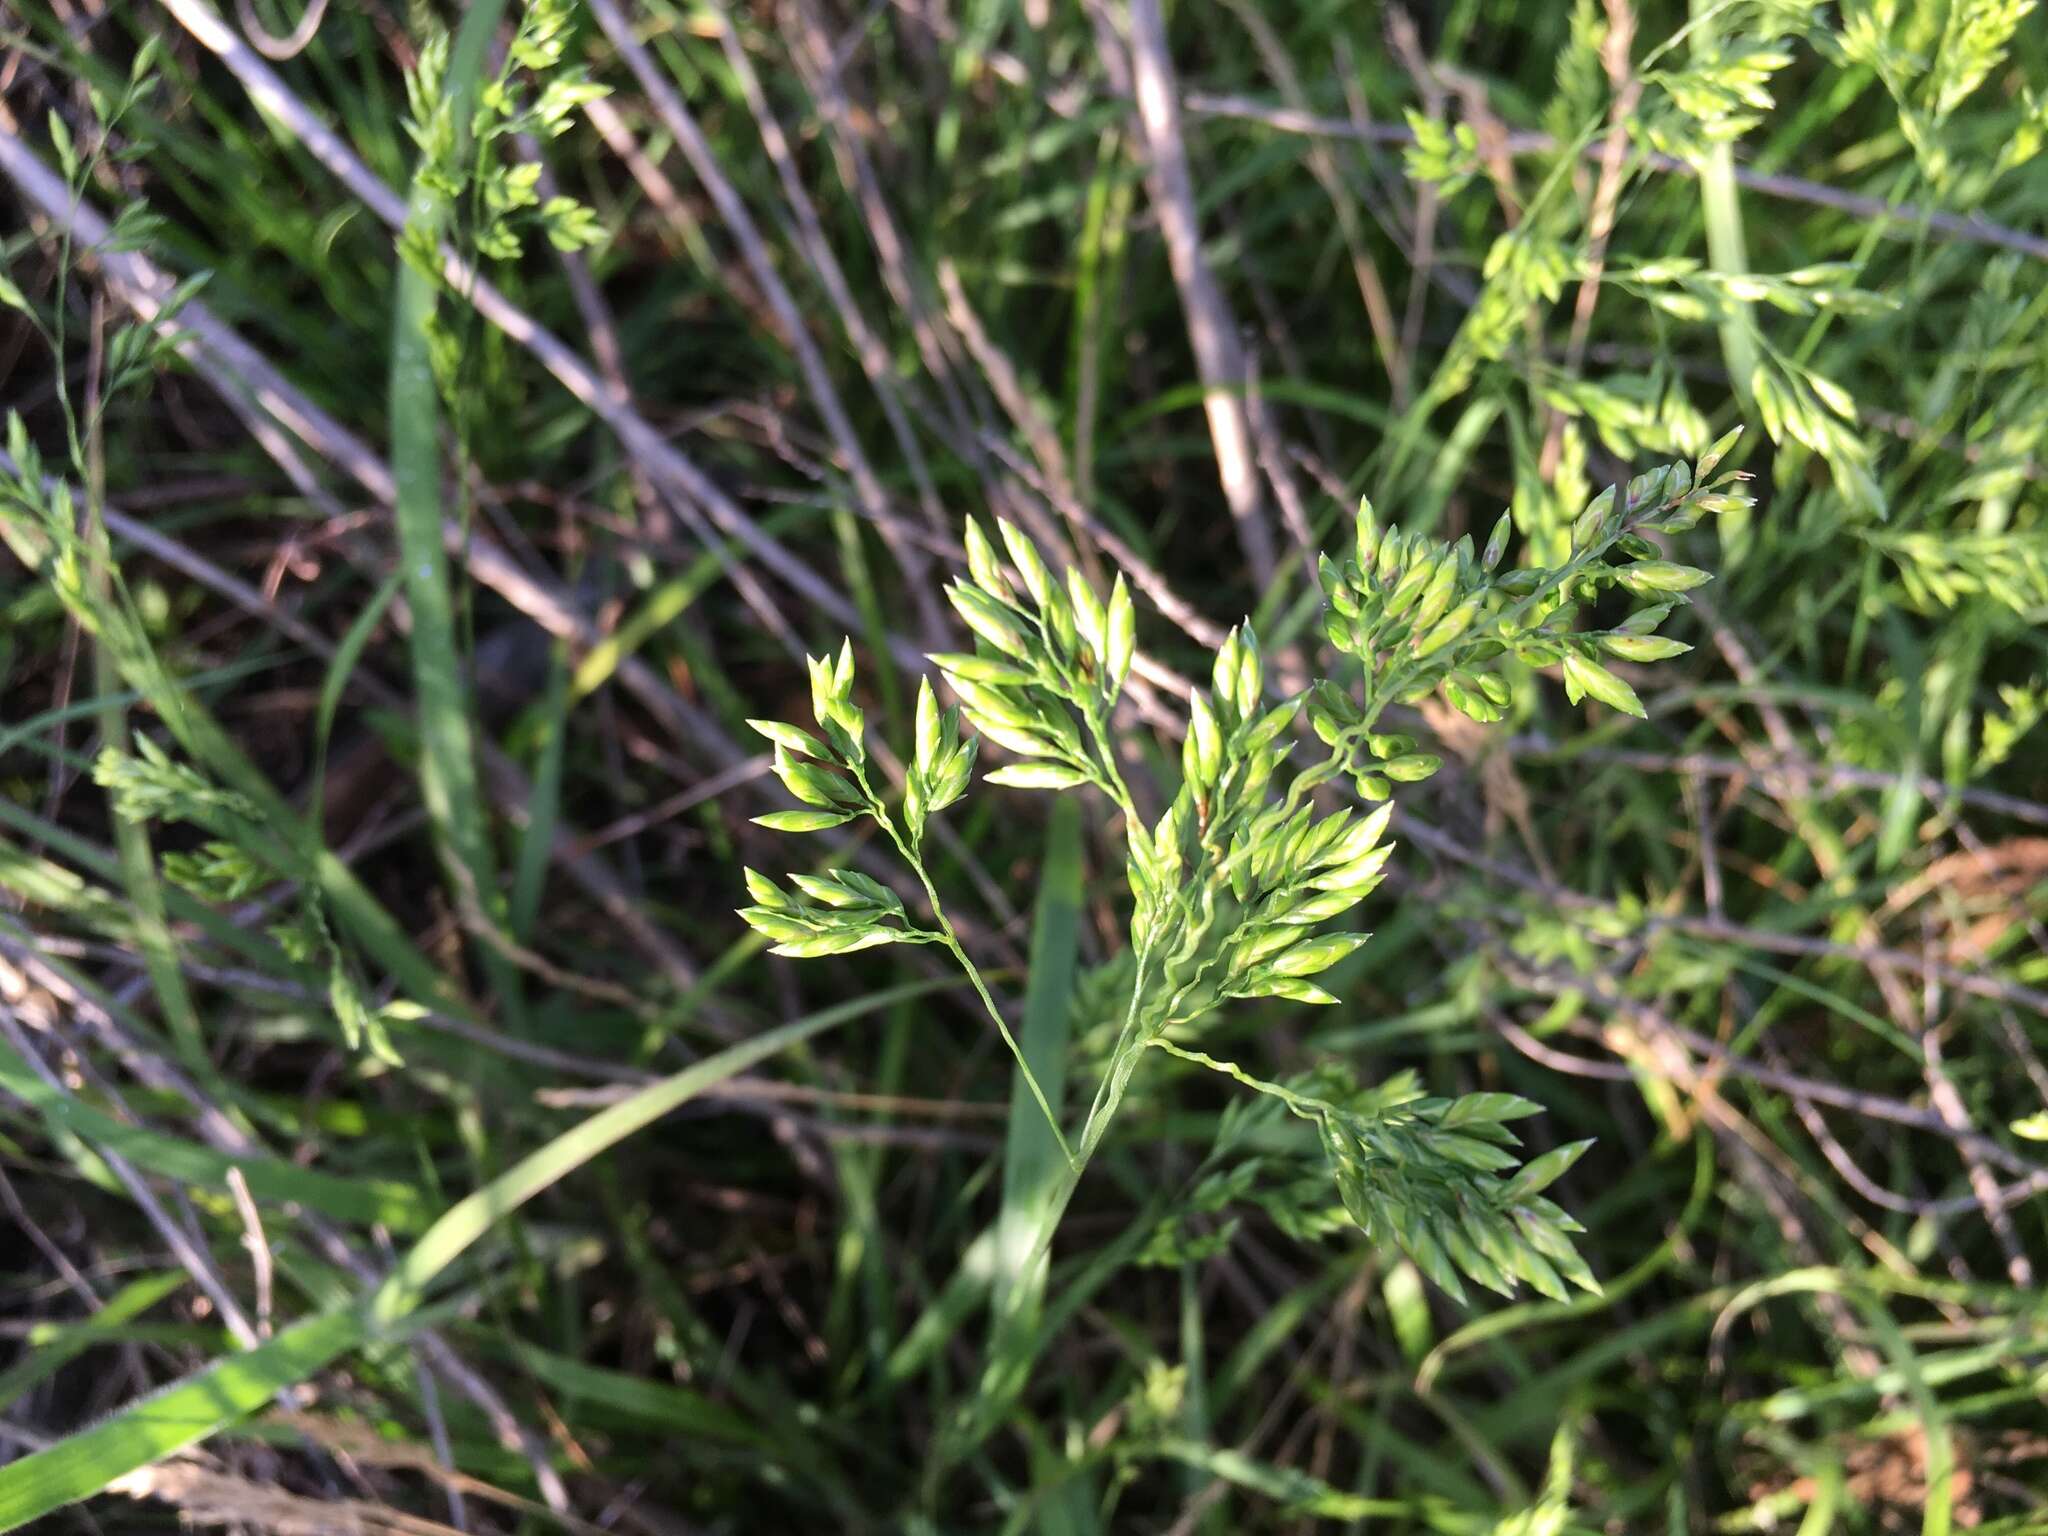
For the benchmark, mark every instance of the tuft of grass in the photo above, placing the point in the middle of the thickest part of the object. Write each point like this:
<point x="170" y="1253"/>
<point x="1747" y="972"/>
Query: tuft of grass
<point x="434" y="439"/>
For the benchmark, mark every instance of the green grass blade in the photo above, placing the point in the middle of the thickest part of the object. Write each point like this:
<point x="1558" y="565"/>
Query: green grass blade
<point x="57" y="1343"/>
<point x="661" y="1405"/>
<point x="475" y="1215"/>
<point x="1032" y="1161"/>
<point x="138" y="856"/>
<point x="1728" y="253"/>
<point x="448" y="781"/>
<point x="339" y="670"/>
<point x="233" y="1387"/>
<point x="364" y="1201"/>
<point x="543" y="807"/>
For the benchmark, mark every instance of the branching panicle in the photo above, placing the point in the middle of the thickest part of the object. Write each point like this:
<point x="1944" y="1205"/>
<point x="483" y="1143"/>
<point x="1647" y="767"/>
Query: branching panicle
<point x="1231" y="885"/>
<point x="1048" y="668"/>
<point x="843" y="911"/>
<point x="534" y="94"/>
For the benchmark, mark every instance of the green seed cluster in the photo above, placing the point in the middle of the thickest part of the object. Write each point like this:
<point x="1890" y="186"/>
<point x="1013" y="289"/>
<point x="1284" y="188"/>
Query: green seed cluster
<point x="1424" y="617"/>
<point x="1232" y="883"/>
<point x="1048" y="649"/>
<point x="830" y="914"/>
<point x="827" y="774"/>
<point x="842" y="910"/>
<point x="1426" y="1175"/>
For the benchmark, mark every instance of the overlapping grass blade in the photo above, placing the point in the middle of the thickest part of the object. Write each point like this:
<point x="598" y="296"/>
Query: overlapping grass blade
<point x="232" y="1388"/>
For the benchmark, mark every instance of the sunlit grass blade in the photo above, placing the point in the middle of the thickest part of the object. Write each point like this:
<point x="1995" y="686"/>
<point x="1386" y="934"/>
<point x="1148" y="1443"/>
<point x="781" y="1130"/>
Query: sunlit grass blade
<point x="231" y="1388"/>
<point x="56" y="1344"/>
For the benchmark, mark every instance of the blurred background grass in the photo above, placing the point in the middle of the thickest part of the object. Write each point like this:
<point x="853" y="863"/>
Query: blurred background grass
<point x="1172" y="291"/>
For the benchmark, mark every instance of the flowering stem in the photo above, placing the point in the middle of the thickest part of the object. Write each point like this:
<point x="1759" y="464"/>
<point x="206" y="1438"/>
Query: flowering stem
<point x="1306" y="1108"/>
<point x="951" y="939"/>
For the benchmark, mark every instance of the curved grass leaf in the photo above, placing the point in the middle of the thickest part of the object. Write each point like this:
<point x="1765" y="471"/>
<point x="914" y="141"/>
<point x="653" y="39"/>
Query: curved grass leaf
<point x="231" y="1388"/>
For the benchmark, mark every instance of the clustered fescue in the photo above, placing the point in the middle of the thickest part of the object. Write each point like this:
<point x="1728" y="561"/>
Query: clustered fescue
<point x="1231" y="886"/>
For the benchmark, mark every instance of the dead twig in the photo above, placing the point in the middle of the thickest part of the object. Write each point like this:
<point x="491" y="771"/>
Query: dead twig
<point x="1212" y="333"/>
